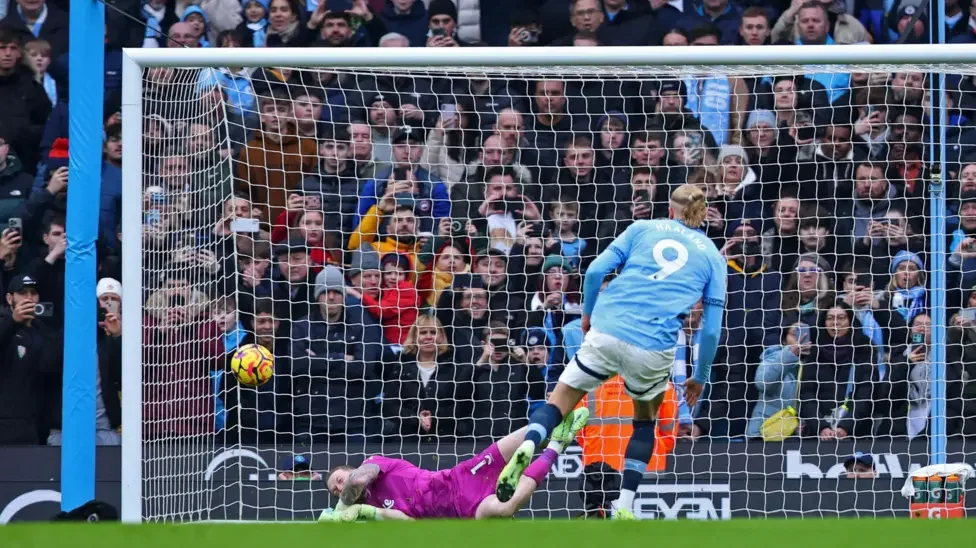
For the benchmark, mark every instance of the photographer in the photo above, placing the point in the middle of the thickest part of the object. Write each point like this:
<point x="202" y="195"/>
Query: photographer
<point x="504" y="384"/>
<point x="28" y="357"/>
<point x="498" y="216"/>
<point x="48" y="271"/>
<point x="108" y="404"/>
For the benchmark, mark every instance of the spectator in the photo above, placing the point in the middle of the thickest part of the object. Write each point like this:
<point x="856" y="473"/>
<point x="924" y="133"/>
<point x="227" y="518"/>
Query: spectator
<point x="48" y="272"/>
<point x="361" y="152"/>
<point x="840" y="358"/>
<point x="813" y="27"/>
<point x="159" y="16"/>
<point x="676" y="36"/>
<point x="525" y="28"/>
<point x="906" y="293"/>
<point x="111" y="190"/>
<point x="430" y="194"/>
<point x="727" y="406"/>
<point x="257" y="413"/>
<point x="27" y="106"/>
<point x="781" y="242"/>
<point x="15" y="182"/>
<point x="276" y="159"/>
<point x="503" y="209"/>
<point x="504" y="384"/>
<point x="39" y="57"/>
<point x="839" y="27"/>
<point x="771" y="153"/>
<point x="427" y="392"/>
<point x="285" y="26"/>
<point x="872" y="200"/>
<point x="398" y="302"/>
<point x="832" y="170"/>
<point x="364" y="272"/>
<point x="37" y="19"/>
<point x="180" y="342"/>
<point x="442" y="22"/>
<point x="551" y="126"/>
<point x="709" y="99"/>
<point x="199" y="24"/>
<point x="407" y="17"/>
<point x="777" y="376"/>
<point x="29" y="364"/>
<point x="463" y="311"/>
<point x="887" y="237"/>
<point x="754" y="27"/>
<point x="401" y="233"/>
<point x="725" y="15"/>
<point x="294" y="280"/>
<point x="808" y="290"/>
<point x="254" y="28"/>
<point x="558" y="300"/>
<point x="739" y="186"/>
<point x="565" y="233"/>
<point x="336" y="183"/>
<point x="183" y="35"/>
<point x="449" y="258"/>
<point x="334" y="355"/>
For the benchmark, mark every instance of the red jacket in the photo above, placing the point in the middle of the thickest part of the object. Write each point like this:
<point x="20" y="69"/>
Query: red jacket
<point x="396" y="310"/>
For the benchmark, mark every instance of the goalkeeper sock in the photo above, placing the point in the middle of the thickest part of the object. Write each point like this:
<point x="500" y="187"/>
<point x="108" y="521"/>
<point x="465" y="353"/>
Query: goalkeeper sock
<point x="541" y="466"/>
<point x="541" y="423"/>
<point x="636" y="457"/>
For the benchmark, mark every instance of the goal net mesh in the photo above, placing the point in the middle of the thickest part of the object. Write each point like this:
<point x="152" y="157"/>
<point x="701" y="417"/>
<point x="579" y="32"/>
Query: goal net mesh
<point x="411" y="244"/>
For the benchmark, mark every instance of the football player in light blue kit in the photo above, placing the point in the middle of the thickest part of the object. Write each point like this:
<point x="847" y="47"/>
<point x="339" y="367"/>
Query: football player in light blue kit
<point x="666" y="267"/>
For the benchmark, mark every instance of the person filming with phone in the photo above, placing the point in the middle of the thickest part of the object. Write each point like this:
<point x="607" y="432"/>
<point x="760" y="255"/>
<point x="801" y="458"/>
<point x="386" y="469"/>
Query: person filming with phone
<point x="30" y="355"/>
<point x="442" y="19"/>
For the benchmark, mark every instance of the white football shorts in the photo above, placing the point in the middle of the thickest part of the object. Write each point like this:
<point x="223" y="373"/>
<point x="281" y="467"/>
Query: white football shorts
<point x="645" y="372"/>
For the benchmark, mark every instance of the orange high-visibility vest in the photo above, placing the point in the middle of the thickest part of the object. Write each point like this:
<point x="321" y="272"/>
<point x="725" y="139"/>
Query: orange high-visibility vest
<point x="606" y="434"/>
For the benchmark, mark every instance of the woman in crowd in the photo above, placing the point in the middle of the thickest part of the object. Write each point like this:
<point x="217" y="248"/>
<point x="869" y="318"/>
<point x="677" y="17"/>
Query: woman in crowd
<point x="449" y="259"/>
<point x="905" y="295"/>
<point x="778" y="374"/>
<point x="808" y="291"/>
<point x="840" y="357"/>
<point x="427" y="393"/>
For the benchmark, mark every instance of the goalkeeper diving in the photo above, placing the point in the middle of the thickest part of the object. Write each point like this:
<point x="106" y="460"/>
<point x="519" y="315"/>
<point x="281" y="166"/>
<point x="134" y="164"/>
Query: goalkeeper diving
<point x="385" y="488"/>
<point x="665" y="267"/>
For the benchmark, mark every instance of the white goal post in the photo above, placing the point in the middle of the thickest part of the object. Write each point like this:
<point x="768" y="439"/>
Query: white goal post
<point x="138" y="473"/>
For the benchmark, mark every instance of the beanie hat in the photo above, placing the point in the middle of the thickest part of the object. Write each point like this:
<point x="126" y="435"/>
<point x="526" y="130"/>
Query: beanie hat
<point x="108" y="286"/>
<point x="761" y="116"/>
<point x="266" y="4"/>
<point x="904" y="256"/>
<point x="442" y="7"/>
<point x="364" y="258"/>
<point x="732" y="150"/>
<point x="330" y="279"/>
<point x="58" y="156"/>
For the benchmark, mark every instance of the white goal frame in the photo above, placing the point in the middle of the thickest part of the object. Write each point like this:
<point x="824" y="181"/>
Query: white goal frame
<point x="136" y="60"/>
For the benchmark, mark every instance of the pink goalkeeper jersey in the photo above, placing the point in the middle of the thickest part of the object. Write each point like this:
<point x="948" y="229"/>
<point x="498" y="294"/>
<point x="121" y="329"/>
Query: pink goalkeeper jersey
<point x="414" y="491"/>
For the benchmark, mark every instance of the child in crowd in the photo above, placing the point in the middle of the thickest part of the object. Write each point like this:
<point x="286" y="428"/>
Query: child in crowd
<point x="39" y="56"/>
<point x="565" y="217"/>
<point x="253" y="29"/>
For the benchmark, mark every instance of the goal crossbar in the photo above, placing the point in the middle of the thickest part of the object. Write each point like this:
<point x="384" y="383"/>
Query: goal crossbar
<point x="857" y="54"/>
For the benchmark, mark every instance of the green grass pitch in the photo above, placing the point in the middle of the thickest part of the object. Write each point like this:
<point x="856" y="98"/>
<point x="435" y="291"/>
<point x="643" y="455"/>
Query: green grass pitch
<point x="825" y="533"/>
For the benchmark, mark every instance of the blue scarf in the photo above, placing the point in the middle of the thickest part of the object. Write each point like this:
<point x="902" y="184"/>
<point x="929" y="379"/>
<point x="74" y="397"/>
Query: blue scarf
<point x="909" y="302"/>
<point x="259" y="32"/>
<point x="708" y="100"/>
<point x="836" y="83"/>
<point x="872" y="330"/>
<point x="36" y="27"/>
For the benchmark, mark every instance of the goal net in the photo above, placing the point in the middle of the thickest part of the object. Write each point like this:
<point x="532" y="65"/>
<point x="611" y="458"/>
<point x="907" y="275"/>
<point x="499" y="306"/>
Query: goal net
<point x="410" y="244"/>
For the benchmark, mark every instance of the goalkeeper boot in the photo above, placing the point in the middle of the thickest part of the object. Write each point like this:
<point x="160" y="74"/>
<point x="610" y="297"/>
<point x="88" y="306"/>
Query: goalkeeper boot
<point x="623" y="514"/>
<point x="567" y="430"/>
<point x="509" y="478"/>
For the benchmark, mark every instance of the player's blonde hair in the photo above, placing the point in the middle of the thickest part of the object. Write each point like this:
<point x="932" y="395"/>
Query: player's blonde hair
<point x="688" y="203"/>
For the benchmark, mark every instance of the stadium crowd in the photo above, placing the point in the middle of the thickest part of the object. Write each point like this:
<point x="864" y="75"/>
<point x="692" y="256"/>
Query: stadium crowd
<point x="411" y="245"/>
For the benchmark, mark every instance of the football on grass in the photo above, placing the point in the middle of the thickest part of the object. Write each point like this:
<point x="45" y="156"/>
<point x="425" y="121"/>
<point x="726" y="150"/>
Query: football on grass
<point x="252" y="364"/>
